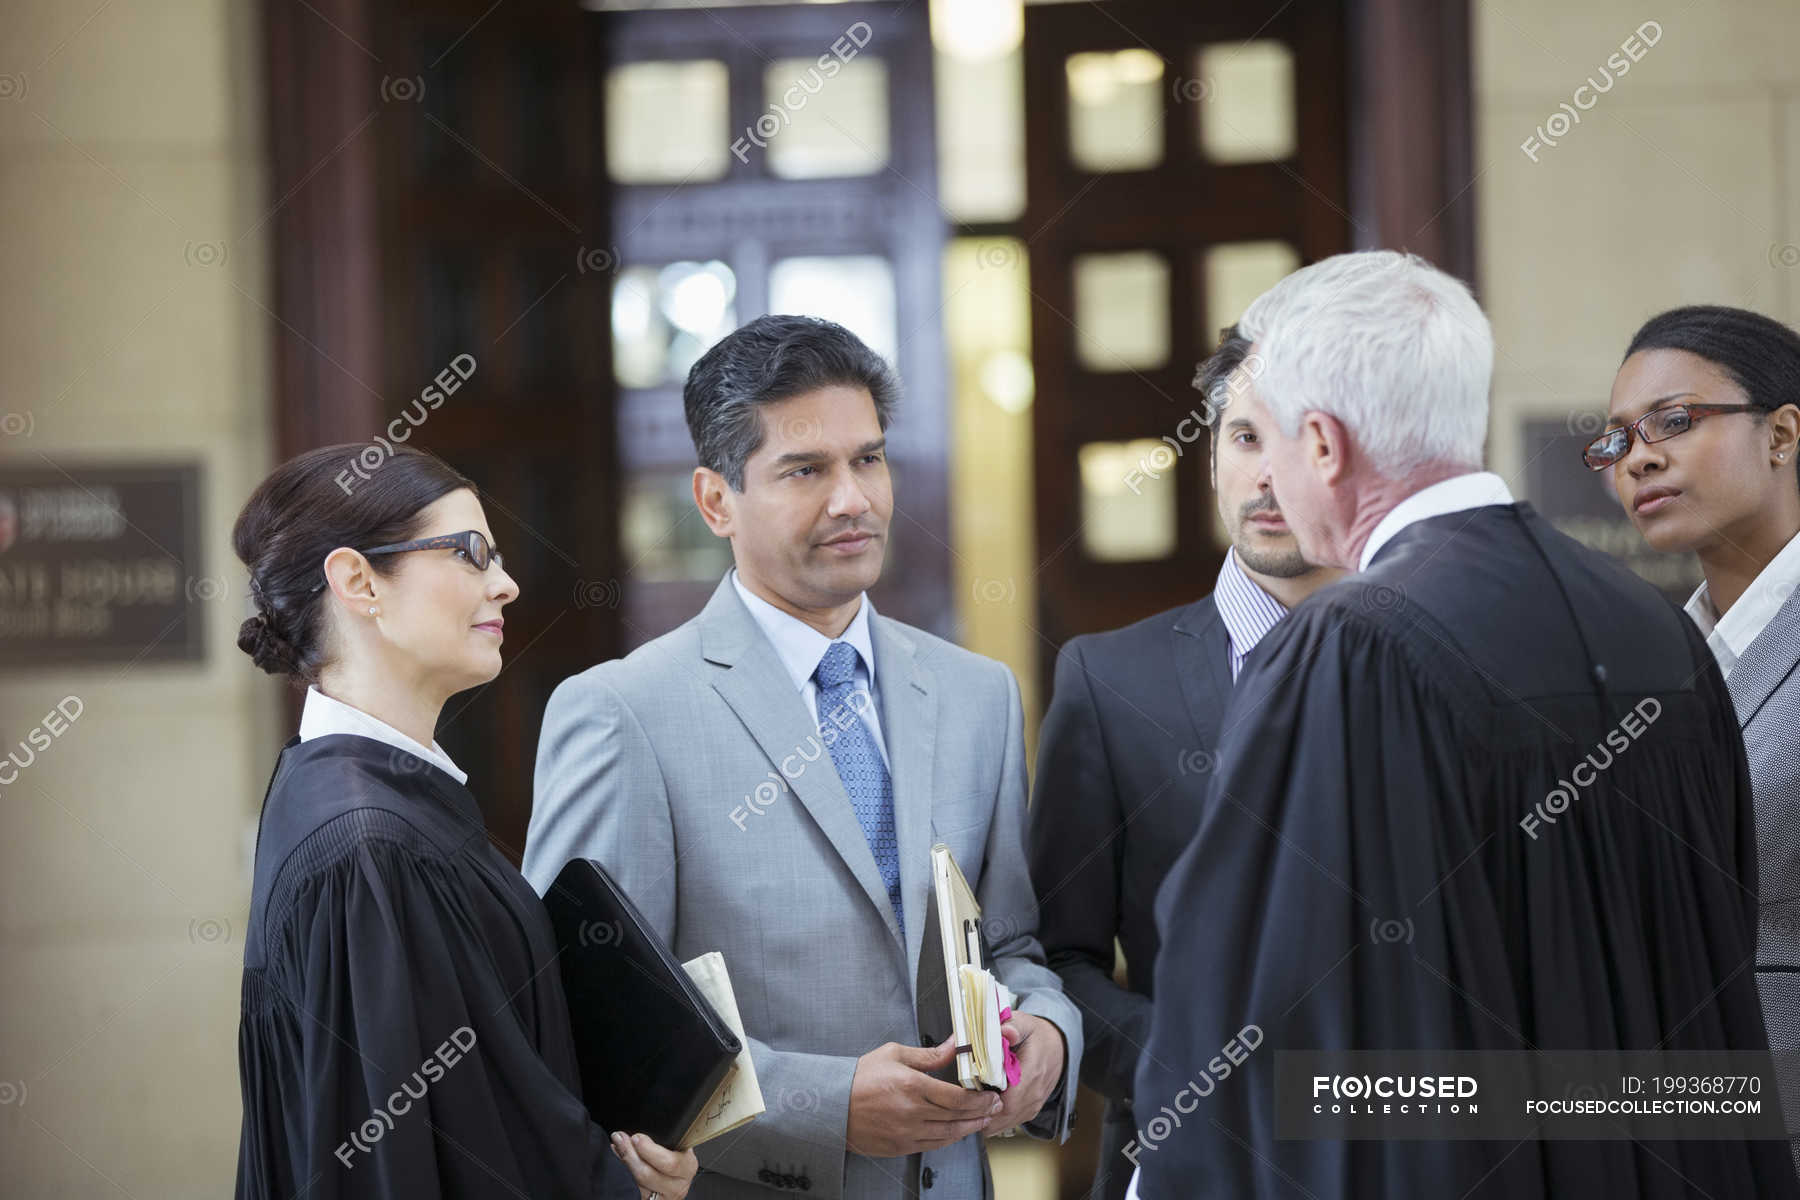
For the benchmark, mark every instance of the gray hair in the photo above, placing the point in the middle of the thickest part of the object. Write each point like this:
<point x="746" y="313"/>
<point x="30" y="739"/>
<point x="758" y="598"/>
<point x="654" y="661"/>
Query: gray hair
<point x="1388" y="344"/>
<point x="771" y="359"/>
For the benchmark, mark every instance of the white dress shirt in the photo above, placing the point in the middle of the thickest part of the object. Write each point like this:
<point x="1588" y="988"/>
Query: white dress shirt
<point x="800" y="647"/>
<point x="1477" y="489"/>
<point x="1730" y="635"/>
<point x="322" y="715"/>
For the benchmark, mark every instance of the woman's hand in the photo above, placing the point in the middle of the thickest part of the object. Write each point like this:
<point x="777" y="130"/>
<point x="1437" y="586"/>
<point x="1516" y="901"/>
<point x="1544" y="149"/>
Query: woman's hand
<point x="661" y="1174"/>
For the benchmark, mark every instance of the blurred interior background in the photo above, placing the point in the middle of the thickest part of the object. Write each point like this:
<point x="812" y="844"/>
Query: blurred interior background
<point x="236" y="231"/>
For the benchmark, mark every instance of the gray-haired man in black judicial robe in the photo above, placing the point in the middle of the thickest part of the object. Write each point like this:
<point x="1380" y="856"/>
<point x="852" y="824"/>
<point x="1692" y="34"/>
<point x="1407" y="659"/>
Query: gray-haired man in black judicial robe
<point x="1125" y="752"/>
<point x="1374" y="870"/>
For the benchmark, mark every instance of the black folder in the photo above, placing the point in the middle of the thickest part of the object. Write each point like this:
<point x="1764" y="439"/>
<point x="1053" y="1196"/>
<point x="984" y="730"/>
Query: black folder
<point x="651" y="1049"/>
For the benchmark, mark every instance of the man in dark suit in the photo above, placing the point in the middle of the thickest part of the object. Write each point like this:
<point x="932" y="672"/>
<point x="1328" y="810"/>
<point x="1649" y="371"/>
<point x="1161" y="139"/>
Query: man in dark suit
<point x="1125" y="751"/>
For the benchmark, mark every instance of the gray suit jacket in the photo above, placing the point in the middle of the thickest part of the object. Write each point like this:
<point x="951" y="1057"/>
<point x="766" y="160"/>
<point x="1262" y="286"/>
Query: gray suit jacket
<point x="1765" y="690"/>
<point x="694" y="771"/>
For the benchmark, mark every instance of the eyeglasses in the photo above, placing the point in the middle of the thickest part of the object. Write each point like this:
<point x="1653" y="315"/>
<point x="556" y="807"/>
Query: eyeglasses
<point x="1657" y="425"/>
<point x="470" y="544"/>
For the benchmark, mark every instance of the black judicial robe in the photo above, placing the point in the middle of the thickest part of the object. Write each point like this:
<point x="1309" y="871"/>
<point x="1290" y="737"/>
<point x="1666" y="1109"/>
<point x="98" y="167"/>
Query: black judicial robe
<point x="1360" y="879"/>
<point x="404" y="1031"/>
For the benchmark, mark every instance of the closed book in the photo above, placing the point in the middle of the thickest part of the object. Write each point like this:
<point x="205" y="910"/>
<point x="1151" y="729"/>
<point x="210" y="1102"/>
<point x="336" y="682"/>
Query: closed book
<point x="651" y="1047"/>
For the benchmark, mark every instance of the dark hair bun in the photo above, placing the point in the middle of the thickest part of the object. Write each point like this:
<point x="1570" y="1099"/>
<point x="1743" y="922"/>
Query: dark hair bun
<point x="309" y="506"/>
<point x="267" y="648"/>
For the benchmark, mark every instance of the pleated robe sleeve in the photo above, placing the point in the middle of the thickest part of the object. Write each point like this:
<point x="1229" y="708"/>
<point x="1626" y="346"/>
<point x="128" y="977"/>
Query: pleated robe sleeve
<point x="1362" y="880"/>
<point x="391" y="1058"/>
<point x="1297" y="910"/>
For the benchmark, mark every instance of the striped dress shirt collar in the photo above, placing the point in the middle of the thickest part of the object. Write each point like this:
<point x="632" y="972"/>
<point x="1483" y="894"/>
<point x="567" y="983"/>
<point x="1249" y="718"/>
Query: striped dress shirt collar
<point x="1248" y="611"/>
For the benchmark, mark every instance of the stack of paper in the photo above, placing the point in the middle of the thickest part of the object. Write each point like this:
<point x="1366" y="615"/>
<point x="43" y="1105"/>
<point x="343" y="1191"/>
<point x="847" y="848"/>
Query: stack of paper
<point x="974" y="993"/>
<point x="738" y="1098"/>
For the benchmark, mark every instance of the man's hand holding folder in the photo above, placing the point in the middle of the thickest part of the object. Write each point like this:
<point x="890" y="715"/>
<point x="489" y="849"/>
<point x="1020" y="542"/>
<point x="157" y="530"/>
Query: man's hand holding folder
<point x="1039" y="1045"/>
<point x="898" y="1108"/>
<point x="905" y="1099"/>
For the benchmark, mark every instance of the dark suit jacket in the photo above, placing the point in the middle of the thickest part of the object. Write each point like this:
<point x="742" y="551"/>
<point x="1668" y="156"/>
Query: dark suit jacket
<point x="1124" y="758"/>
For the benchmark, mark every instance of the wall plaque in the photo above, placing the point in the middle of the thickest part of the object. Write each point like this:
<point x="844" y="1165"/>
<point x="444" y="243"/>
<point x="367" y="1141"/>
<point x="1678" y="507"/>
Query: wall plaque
<point x="101" y="564"/>
<point x="1583" y="505"/>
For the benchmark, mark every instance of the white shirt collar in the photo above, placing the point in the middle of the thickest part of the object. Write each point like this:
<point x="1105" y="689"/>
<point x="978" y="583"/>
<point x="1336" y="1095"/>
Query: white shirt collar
<point x="324" y="714"/>
<point x="1730" y="635"/>
<point x="1477" y="489"/>
<point x="799" y="645"/>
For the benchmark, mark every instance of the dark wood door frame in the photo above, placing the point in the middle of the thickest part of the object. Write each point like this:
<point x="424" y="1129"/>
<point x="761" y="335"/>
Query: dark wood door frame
<point x="1383" y="159"/>
<point x="431" y="196"/>
<point x="324" y="311"/>
<point x="1403" y="178"/>
<point x="750" y="219"/>
<point x="1412" y="133"/>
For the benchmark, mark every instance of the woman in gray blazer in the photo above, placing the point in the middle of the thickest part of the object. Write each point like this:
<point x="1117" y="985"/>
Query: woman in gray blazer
<point x="1701" y="444"/>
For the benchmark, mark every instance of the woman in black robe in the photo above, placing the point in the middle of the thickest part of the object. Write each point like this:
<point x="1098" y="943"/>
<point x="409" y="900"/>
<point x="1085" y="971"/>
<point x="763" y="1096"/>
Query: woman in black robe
<point x="404" y="1030"/>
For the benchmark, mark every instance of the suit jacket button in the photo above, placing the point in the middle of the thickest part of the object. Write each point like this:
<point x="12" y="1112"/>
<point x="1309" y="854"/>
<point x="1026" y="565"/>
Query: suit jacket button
<point x="927" y="1177"/>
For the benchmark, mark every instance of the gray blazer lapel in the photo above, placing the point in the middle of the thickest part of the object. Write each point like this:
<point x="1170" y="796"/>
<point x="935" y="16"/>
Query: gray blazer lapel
<point x="762" y="694"/>
<point x="909" y="728"/>
<point x="1766" y="662"/>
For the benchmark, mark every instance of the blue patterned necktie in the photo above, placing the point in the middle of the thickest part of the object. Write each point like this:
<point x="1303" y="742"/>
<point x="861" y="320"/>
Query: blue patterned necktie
<point x="859" y="764"/>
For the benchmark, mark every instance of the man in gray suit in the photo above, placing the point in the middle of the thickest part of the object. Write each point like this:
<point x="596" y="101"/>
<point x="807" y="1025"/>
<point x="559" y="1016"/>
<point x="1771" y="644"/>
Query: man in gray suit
<point x="768" y="779"/>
